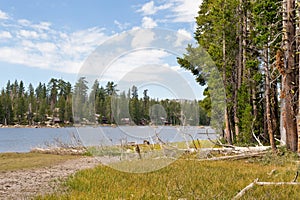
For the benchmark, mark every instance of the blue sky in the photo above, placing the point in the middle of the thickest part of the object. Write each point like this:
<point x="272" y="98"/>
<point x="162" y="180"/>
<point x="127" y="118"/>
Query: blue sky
<point x="42" y="39"/>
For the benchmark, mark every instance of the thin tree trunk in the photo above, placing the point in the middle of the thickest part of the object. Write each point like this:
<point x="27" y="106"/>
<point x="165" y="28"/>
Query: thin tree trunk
<point x="227" y="122"/>
<point x="275" y="109"/>
<point x="241" y="60"/>
<point x="244" y="41"/>
<point x="283" y="135"/>
<point x="267" y="98"/>
<point x="227" y="128"/>
<point x="240" y="39"/>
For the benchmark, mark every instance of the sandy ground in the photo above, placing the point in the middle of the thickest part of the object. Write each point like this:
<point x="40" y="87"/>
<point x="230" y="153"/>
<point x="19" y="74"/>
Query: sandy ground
<point x="25" y="184"/>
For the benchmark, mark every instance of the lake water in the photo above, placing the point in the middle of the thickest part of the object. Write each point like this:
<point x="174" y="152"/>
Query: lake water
<point x="24" y="139"/>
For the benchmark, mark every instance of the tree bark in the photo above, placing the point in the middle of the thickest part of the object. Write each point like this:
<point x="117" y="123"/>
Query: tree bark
<point x="267" y="99"/>
<point x="227" y="122"/>
<point x="298" y="47"/>
<point x="289" y="78"/>
<point x="227" y="127"/>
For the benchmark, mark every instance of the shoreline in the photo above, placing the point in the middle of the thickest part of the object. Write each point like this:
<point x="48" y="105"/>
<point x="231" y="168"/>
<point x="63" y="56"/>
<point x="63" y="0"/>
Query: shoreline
<point x="94" y="126"/>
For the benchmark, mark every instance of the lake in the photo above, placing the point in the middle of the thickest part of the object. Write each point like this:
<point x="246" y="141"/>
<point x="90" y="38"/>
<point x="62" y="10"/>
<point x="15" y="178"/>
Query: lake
<point x="24" y="139"/>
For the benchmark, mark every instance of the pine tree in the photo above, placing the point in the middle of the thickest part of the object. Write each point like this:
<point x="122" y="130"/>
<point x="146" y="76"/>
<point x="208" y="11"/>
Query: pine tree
<point x="290" y="75"/>
<point x="80" y="100"/>
<point x="134" y="106"/>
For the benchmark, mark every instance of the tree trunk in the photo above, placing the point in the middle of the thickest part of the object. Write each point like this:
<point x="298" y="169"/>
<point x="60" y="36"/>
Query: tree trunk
<point x="227" y="128"/>
<point x="227" y="122"/>
<point x="267" y="99"/>
<point x="240" y="56"/>
<point x="274" y="108"/>
<point x="298" y="47"/>
<point x="240" y="60"/>
<point x="289" y="78"/>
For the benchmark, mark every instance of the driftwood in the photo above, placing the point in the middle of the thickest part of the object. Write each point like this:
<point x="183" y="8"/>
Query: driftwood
<point x="243" y="191"/>
<point x="219" y="143"/>
<point x="238" y="157"/>
<point x="60" y="151"/>
<point x="256" y="182"/>
<point x="236" y="150"/>
<point x="235" y="157"/>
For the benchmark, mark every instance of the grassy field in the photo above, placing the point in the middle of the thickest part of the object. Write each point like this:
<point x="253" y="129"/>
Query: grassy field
<point x="188" y="179"/>
<point x="16" y="161"/>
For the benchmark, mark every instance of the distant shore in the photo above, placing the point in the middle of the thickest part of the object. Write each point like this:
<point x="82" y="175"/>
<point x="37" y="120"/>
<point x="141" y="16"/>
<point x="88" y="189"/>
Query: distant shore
<point x="77" y="125"/>
<point x="32" y="126"/>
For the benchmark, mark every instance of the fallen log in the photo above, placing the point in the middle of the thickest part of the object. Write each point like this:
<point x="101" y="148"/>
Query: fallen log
<point x="236" y="157"/>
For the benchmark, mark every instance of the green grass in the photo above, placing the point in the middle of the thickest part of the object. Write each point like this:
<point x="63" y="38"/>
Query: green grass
<point x="17" y="161"/>
<point x="187" y="179"/>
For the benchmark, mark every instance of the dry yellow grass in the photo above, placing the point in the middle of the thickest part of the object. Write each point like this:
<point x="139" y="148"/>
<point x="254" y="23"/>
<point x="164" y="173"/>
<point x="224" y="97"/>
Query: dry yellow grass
<point x="17" y="161"/>
<point x="187" y="179"/>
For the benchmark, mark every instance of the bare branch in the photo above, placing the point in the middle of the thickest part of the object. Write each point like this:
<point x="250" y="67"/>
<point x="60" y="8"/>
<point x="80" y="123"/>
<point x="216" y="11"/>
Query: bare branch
<point x="243" y="191"/>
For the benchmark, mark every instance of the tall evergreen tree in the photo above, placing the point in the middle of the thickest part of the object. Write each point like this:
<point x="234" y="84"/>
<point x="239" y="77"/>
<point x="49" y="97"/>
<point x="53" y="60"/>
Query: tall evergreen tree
<point x="290" y="74"/>
<point x="80" y="100"/>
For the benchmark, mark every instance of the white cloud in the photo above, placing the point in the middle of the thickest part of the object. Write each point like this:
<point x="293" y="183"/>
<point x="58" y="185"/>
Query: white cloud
<point x="127" y="63"/>
<point x="150" y="9"/>
<point x="28" y="34"/>
<point x="27" y="45"/>
<point x="146" y="68"/>
<point x="20" y="56"/>
<point x="24" y="22"/>
<point x="46" y="47"/>
<point x="40" y="45"/>
<point x="5" y="35"/>
<point x="42" y="26"/>
<point x="120" y="25"/>
<point x="3" y="15"/>
<point x="83" y="42"/>
<point x="148" y="22"/>
<point x="185" y="33"/>
<point x="142" y="38"/>
<point x="185" y="10"/>
<point x="177" y="10"/>
<point x="182" y="36"/>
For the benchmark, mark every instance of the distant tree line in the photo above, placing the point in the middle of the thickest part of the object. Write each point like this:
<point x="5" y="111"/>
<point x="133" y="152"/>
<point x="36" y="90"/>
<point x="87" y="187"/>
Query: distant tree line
<point x="58" y="102"/>
<point x="51" y="102"/>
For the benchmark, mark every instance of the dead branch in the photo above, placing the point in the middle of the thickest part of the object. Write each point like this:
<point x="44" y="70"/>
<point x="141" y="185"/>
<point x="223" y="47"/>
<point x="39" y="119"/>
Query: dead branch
<point x="252" y="130"/>
<point x="219" y="143"/>
<point x="195" y="146"/>
<point x="138" y="150"/>
<point x="236" y="157"/>
<point x="277" y="183"/>
<point x="296" y="176"/>
<point x="256" y="182"/>
<point x="271" y="172"/>
<point x="257" y="140"/>
<point x="162" y="143"/>
<point x="243" y="191"/>
<point x="199" y="143"/>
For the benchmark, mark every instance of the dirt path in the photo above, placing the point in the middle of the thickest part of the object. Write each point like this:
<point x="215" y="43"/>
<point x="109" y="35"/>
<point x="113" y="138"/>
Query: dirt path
<point x="26" y="184"/>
